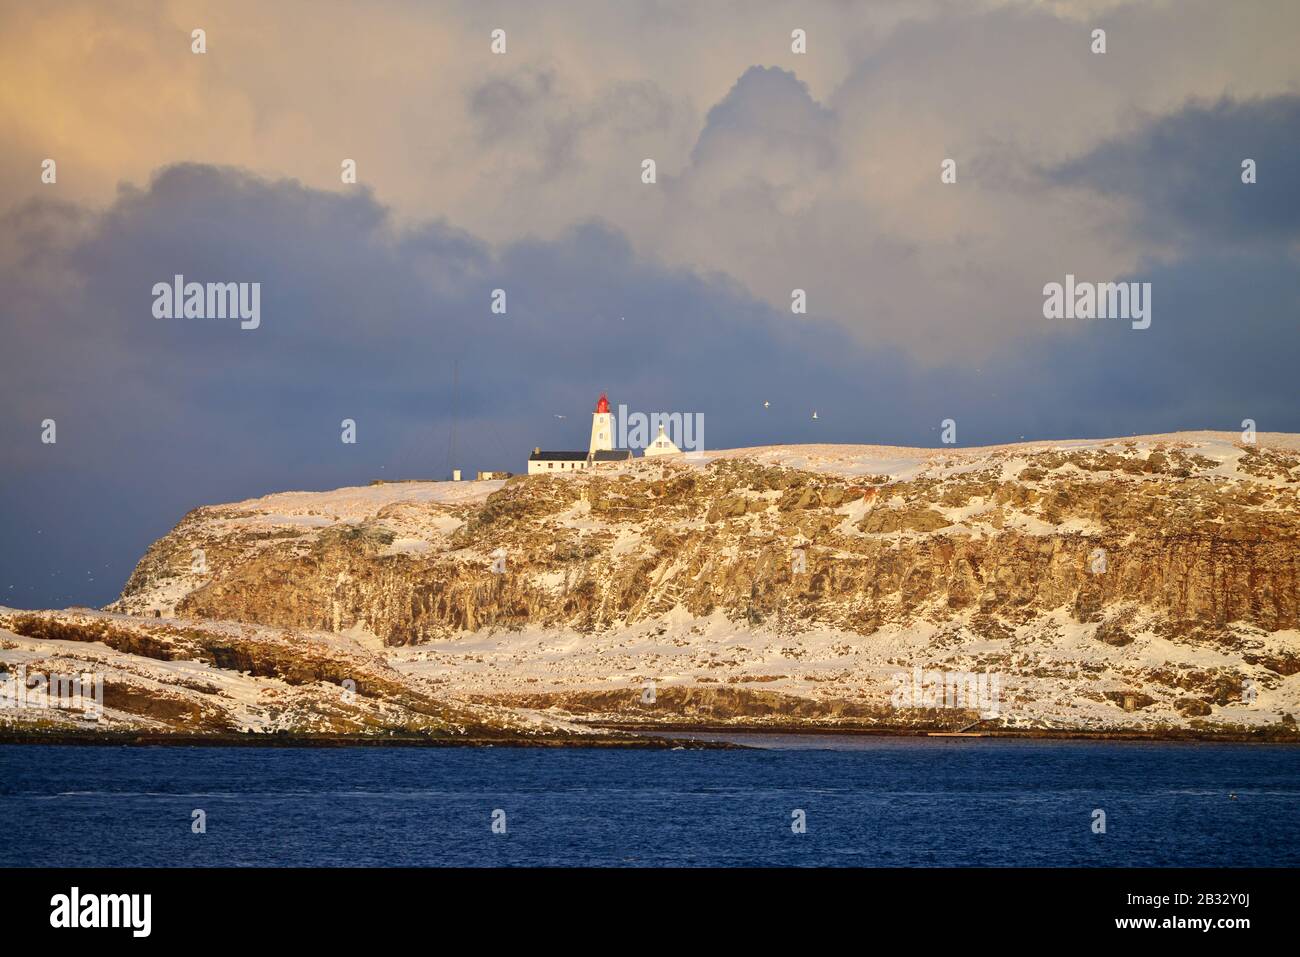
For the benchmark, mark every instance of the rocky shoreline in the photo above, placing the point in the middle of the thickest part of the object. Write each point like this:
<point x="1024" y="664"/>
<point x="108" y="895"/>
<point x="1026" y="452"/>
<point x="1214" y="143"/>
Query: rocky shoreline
<point x="635" y="736"/>
<point x="133" y="739"/>
<point x="1267" y="735"/>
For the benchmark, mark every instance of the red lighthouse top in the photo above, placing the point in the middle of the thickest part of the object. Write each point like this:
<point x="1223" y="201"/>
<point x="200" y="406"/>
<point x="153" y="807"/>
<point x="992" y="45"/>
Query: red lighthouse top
<point x="603" y="404"/>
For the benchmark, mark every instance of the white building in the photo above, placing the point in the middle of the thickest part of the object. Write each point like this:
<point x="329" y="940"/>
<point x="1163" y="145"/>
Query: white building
<point x="600" y="450"/>
<point x="662" y="445"/>
<point x="602" y="428"/>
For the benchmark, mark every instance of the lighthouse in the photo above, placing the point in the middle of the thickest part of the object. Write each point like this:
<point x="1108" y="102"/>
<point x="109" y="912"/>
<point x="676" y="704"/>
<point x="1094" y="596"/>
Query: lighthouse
<point x="601" y="450"/>
<point x="602" y="431"/>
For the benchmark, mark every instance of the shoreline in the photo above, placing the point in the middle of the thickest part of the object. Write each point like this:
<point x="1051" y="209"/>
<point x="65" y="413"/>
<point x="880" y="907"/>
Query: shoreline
<point x="626" y="735"/>
<point x="148" y="740"/>
<point x="1264" y="736"/>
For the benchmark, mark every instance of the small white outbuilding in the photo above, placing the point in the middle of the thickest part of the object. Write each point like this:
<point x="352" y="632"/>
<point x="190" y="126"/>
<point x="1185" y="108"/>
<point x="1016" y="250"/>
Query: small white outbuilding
<point x="662" y="445"/>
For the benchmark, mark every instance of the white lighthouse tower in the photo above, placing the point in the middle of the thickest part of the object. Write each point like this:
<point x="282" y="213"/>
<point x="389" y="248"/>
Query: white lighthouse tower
<point x="602" y="431"/>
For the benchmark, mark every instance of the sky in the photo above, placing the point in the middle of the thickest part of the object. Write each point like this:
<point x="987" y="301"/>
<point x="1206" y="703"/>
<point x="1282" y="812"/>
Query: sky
<point x="523" y="171"/>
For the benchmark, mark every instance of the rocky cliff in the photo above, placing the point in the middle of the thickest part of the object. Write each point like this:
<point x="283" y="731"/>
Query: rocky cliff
<point x="1149" y="582"/>
<point x="1198" y="542"/>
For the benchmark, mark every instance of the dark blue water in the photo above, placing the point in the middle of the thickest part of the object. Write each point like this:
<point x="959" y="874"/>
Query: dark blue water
<point x="868" y="801"/>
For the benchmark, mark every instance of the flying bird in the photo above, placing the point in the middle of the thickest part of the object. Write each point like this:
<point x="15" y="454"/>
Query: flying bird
<point x="814" y="413"/>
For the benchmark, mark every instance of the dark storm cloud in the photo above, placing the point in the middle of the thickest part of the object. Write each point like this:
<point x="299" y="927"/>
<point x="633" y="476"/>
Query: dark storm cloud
<point x="1183" y="172"/>
<point x="366" y="319"/>
<point x="1223" y="346"/>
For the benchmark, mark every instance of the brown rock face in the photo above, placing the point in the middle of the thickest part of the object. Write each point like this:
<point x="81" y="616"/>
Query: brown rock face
<point x="1193" y="708"/>
<point x="1196" y="542"/>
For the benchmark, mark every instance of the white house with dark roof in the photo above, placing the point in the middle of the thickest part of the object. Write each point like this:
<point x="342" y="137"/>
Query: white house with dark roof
<point x="600" y="450"/>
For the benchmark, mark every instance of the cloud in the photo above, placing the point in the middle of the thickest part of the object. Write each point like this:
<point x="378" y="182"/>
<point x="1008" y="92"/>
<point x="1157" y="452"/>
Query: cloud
<point x="1183" y="172"/>
<point x="767" y="134"/>
<point x="816" y="171"/>
<point x="503" y="105"/>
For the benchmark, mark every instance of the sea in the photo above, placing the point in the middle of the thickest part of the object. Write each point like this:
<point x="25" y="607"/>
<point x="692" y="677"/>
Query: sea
<point x="801" y="800"/>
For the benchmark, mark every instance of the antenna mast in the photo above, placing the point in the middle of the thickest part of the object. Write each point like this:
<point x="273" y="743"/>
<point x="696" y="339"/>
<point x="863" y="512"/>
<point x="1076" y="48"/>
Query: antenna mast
<point x="455" y="415"/>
